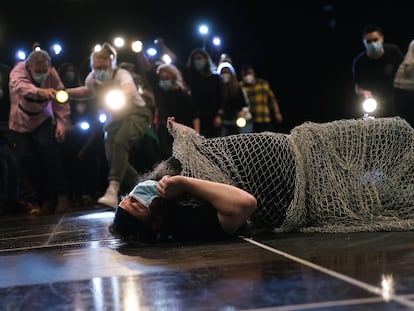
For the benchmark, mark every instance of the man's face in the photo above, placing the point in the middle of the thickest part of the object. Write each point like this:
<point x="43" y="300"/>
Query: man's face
<point x="373" y="37"/>
<point x="100" y="64"/>
<point x="39" y="68"/>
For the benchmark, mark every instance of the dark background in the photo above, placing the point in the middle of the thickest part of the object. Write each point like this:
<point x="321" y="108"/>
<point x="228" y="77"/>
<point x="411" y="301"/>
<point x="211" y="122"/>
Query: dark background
<point x="303" y="48"/>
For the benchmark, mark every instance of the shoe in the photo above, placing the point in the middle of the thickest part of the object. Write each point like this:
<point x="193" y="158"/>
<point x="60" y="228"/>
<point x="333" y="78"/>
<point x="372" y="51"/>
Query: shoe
<point x="109" y="199"/>
<point x="31" y="208"/>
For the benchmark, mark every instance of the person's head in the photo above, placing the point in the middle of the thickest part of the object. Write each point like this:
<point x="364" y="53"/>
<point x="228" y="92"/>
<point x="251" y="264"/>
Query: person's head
<point x="134" y="217"/>
<point x="103" y="62"/>
<point x="248" y="74"/>
<point x="169" y="77"/>
<point x="38" y="64"/>
<point x="136" y="221"/>
<point x="373" y="39"/>
<point x="200" y="61"/>
<point x="67" y="74"/>
<point x="226" y="72"/>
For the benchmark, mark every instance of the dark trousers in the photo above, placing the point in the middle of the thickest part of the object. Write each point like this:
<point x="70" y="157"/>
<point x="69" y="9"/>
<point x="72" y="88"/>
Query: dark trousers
<point x="39" y="163"/>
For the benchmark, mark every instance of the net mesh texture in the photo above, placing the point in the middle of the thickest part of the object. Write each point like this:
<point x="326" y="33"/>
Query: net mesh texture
<point x="341" y="176"/>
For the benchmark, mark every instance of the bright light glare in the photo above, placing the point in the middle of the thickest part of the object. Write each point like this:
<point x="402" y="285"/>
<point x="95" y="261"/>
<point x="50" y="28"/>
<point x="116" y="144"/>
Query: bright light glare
<point x="62" y="96"/>
<point x="387" y="287"/>
<point x="136" y="46"/>
<point x="84" y="125"/>
<point x="166" y="59"/>
<point x="21" y="55"/>
<point x="369" y="105"/>
<point x="203" y="29"/>
<point x="152" y="52"/>
<point x="119" y="42"/>
<point x="216" y="41"/>
<point x="115" y="99"/>
<point x="57" y="48"/>
<point x="241" y="122"/>
<point x="102" y="117"/>
<point x="97" y="48"/>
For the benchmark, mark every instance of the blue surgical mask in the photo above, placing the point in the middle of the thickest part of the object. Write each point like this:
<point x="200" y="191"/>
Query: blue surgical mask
<point x="374" y="48"/>
<point x="39" y="78"/>
<point x="199" y="64"/>
<point x="145" y="192"/>
<point x="166" y="85"/>
<point x="102" y="75"/>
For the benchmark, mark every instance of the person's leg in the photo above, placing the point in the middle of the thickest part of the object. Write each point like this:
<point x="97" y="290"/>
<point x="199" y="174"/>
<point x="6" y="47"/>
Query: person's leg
<point x="120" y="138"/>
<point x="53" y="193"/>
<point x="28" y="171"/>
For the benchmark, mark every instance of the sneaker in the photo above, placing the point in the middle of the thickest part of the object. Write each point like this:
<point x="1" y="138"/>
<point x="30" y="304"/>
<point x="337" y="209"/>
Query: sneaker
<point x="31" y="208"/>
<point x="109" y="199"/>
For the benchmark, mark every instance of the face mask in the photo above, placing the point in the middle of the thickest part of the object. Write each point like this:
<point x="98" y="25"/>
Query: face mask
<point x="199" y="64"/>
<point x="70" y="76"/>
<point x="248" y="79"/>
<point x="102" y="75"/>
<point x="145" y="192"/>
<point x="166" y="85"/>
<point x="39" y="78"/>
<point x="374" y="48"/>
<point x="225" y="77"/>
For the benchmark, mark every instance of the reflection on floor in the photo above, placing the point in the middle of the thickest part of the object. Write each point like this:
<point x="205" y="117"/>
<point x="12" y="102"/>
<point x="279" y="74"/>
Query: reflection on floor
<point x="72" y="262"/>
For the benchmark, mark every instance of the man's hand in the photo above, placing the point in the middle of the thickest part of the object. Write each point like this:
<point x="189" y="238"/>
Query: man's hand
<point x="47" y="93"/>
<point x="60" y="132"/>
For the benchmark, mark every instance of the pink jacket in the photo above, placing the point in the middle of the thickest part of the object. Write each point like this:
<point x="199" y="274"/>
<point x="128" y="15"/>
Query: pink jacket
<point x="27" y="109"/>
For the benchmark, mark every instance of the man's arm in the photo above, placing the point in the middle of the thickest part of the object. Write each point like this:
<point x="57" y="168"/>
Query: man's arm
<point x="234" y="205"/>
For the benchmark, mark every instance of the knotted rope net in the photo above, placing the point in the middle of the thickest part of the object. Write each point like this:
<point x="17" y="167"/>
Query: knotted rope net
<point x="340" y="176"/>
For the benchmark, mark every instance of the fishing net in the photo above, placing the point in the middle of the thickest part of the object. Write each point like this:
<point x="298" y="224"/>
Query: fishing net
<point x="340" y="176"/>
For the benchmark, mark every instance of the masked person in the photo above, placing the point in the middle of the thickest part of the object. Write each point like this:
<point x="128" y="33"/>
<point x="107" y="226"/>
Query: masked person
<point x="37" y="121"/>
<point x="339" y="176"/>
<point x="128" y="120"/>
<point x="374" y="69"/>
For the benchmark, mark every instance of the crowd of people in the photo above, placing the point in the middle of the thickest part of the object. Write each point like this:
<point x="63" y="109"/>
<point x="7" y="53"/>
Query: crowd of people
<point x="53" y="163"/>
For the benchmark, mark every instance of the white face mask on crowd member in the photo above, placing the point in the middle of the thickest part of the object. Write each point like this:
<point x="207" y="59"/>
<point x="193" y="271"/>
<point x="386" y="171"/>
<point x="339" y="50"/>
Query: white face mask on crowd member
<point x="249" y="79"/>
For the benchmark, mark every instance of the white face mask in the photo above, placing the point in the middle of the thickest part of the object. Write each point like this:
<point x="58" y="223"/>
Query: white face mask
<point x="225" y="77"/>
<point x="249" y="79"/>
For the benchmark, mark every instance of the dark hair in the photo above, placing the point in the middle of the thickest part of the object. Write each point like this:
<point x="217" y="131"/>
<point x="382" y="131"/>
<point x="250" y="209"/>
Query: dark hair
<point x="132" y="229"/>
<point x="371" y="28"/>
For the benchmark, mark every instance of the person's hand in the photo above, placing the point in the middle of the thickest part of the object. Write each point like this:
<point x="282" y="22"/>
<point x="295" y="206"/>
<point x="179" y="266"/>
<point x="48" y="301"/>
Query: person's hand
<point x="217" y="121"/>
<point x="47" y="93"/>
<point x="170" y="187"/>
<point x="60" y="132"/>
<point x="366" y="94"/>
<point x="278" y="117"/>
<point x="60" y="135"/>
